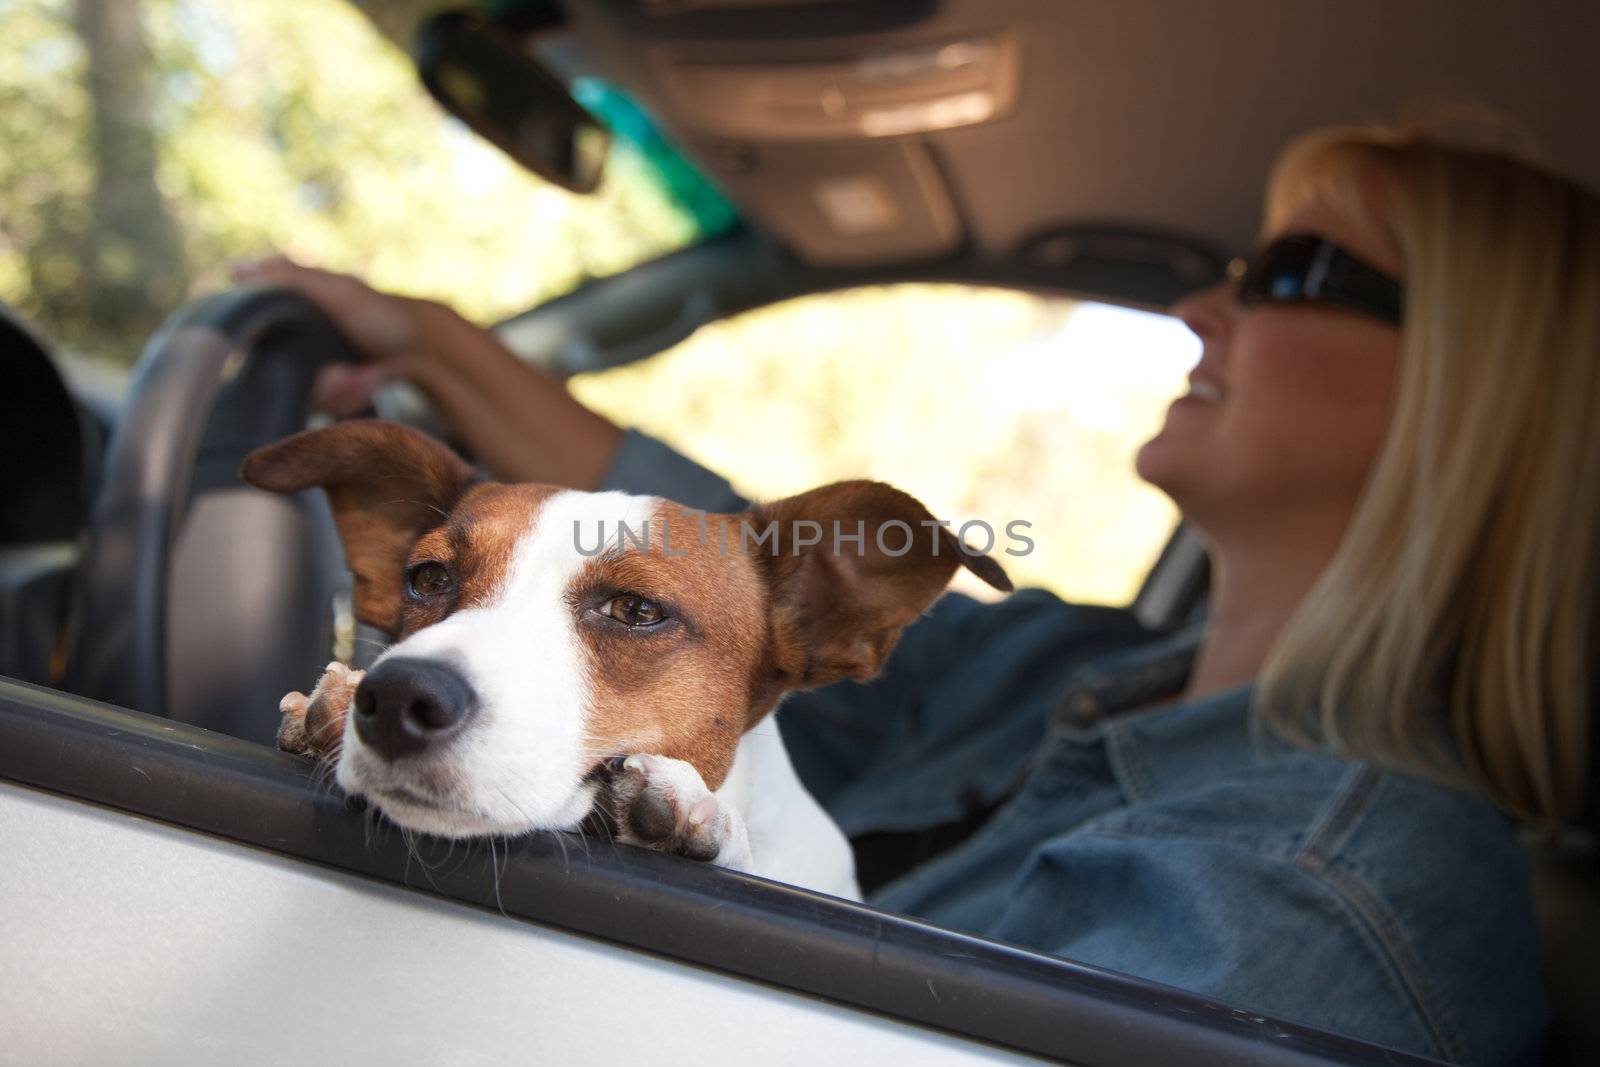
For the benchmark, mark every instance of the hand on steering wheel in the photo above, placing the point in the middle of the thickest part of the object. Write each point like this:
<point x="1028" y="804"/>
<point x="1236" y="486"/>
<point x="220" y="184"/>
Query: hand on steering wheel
<point x="392" y="332"/>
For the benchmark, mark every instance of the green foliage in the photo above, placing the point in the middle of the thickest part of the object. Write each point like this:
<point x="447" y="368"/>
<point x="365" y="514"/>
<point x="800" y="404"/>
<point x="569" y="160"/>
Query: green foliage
<point x="292" y="126"/>
<point x="45" y="181"/>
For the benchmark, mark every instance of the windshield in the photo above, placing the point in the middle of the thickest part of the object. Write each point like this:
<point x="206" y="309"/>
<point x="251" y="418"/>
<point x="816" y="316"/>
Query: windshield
<point x="146" y="146"/>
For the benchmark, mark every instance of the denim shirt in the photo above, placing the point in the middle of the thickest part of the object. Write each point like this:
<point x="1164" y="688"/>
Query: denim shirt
<point x="1164" y="840"/>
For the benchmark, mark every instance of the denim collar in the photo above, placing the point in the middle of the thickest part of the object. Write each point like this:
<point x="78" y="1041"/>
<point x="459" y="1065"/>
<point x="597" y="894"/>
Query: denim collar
<point x="1110" y="685"/>
<point x="1155" y="742"/>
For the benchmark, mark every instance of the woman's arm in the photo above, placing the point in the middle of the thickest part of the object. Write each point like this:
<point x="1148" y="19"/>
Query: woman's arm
<point x="520" y="423"/>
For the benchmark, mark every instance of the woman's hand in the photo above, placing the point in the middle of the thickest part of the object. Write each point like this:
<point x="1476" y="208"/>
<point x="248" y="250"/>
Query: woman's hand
<point x="394" y="333"/>
<point x="517" y="421"/>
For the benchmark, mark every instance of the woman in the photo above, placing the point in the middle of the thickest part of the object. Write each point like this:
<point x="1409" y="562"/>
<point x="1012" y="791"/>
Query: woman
<point x="1305" y="807"/>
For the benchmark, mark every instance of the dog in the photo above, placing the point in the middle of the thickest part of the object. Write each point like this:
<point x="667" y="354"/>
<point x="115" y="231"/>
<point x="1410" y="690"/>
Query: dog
<point x="562" y="657"/>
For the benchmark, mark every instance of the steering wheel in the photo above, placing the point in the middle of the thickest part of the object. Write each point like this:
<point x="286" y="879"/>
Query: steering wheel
<point x="200" y="598"/>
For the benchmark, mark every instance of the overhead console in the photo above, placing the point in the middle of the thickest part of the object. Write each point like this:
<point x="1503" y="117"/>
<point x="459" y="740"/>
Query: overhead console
<point x="854" y="94"/>
<point x="817" y="116"/>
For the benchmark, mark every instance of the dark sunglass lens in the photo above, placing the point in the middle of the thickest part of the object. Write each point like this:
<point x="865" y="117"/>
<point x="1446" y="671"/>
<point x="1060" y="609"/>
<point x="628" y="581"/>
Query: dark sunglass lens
<point x="1304" y="268"/>
<point x="1277" y="274"/>
<point x="1287" y="284"/>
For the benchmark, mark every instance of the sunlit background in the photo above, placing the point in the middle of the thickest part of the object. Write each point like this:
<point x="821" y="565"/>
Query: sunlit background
<point x="145" y="144"/>
<point x="984" y="403"/>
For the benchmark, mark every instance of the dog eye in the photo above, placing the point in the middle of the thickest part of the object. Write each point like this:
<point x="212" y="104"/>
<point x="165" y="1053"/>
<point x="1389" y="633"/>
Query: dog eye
<point x="429" y="579"/>
<point x="633" y="610"/>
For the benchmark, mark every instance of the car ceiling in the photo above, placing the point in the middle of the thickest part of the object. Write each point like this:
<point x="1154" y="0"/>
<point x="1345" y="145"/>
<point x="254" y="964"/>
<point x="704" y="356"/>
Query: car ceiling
<point x="1145" y="115"/>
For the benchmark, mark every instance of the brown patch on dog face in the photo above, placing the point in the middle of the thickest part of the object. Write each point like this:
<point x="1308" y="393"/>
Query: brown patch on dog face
<point x="474" y="547"/>
<point x="387" y="484"/>
<point x="682" y="687"/>
<point x="747" y="619"/>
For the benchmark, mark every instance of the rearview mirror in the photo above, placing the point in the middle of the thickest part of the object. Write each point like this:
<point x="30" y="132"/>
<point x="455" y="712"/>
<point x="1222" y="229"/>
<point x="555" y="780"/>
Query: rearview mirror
<point x="484" y="76"/>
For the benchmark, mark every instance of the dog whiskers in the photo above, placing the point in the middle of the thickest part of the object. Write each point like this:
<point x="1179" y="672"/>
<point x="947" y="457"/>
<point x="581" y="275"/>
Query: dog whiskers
<point x="498" y="902"/>
<point x="559" y="836"/>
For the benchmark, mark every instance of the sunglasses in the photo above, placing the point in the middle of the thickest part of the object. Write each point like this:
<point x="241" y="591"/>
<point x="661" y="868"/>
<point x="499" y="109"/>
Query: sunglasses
<point x="1306" y="269"/>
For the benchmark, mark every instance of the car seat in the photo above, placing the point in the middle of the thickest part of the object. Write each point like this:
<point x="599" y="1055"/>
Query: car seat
<point x="52" y="445"/>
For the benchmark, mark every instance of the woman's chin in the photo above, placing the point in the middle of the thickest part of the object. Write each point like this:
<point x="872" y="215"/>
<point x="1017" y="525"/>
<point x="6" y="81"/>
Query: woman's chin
<point x="1162" y="462"/>
<point x="1176" y="468"/>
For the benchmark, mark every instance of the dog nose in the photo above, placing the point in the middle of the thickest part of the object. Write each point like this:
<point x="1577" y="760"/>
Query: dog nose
<point x="404" y="706"/>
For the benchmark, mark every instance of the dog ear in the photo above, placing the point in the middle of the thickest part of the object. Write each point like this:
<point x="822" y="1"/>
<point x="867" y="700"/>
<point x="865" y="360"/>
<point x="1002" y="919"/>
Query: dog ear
<point x="387" y="484"/>
<point x="848" y="567"/>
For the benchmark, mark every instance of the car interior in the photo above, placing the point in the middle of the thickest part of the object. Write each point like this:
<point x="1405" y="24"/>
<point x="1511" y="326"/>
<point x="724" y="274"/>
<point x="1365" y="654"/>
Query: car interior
<point x="1114" y="152"/>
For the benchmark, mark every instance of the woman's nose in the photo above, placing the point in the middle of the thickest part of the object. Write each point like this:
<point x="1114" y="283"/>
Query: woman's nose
<point x="1209" y="312"/>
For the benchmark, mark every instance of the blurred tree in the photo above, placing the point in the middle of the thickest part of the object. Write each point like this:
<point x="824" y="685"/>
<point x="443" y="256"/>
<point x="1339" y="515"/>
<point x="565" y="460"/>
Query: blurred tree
<point x="133" y="265"/>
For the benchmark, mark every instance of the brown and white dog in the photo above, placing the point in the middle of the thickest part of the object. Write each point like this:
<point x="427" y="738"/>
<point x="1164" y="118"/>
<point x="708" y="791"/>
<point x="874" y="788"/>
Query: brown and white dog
<point x="548" y="668"/>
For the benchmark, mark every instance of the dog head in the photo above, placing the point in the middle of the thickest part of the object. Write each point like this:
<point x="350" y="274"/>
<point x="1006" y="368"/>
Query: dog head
<point x="540" y="632"/>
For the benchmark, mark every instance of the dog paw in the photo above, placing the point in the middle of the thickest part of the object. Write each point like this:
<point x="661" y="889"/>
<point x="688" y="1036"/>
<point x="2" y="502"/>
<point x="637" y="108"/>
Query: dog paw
<point x="663" y="804"/>
<point x="314" y="725"/>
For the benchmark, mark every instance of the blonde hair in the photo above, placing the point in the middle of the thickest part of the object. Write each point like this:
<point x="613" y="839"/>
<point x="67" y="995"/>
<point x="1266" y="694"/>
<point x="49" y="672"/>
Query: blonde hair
<point x="1454" y="633"/>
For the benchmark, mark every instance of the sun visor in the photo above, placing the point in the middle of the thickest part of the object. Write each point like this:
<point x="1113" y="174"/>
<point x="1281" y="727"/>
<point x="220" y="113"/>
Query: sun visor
<point x="843" y="204"/>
